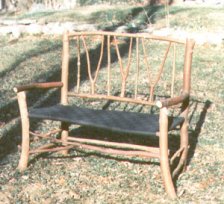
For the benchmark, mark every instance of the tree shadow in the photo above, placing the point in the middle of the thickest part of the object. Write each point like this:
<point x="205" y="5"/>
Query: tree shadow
<point x="45" y="98"/>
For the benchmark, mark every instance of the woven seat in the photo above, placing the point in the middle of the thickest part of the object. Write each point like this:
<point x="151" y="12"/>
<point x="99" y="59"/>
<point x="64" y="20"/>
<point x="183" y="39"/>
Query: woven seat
<point x="125" y="122"/>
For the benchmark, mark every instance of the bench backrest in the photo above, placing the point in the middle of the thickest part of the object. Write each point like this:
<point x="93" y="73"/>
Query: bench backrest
<point x="135" y="68"/>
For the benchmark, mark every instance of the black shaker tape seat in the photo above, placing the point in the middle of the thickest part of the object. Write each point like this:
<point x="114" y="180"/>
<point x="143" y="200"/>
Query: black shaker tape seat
<point x="124" y="122"/>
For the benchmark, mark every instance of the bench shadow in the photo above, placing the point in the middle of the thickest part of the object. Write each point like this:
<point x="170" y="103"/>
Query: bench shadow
<point x="84" y="154"/>
<point x="199" y="108"/>
<point x="195" y="133"/>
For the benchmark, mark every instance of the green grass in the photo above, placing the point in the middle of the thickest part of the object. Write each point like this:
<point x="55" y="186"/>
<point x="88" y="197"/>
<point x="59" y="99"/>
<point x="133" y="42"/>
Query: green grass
<point x="92" y="179"/>
<point x="100" y="14"/>
<point x="197" y="19"/>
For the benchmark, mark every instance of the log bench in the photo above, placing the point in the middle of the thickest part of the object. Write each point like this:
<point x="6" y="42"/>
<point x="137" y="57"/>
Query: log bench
<point x="139" y="70"/>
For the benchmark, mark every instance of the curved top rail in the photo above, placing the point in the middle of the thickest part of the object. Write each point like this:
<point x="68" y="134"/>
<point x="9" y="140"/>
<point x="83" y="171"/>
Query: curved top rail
<point x="135" y="35"/>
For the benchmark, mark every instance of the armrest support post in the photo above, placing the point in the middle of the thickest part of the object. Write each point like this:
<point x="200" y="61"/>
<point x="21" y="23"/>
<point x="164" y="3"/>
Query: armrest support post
<point x="25" y="130"/>
<point x="65" y="69"/>
<point x="187" y="65"/>
<point x="164" y="160"/>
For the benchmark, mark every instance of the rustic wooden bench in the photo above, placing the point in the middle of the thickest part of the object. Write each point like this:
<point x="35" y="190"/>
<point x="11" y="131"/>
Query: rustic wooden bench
<point x="150" y="75"/>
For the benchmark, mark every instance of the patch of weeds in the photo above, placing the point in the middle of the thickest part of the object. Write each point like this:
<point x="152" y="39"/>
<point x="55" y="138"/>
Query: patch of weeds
<point x="112" y="16"/>
<point x="203" y="18"/>
<point x="36" y="15"/>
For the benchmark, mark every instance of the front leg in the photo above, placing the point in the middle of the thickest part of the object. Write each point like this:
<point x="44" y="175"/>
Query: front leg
<point x="164" y="160"/>
<point x="24" y="157"/>
<point x="64" y="136"/>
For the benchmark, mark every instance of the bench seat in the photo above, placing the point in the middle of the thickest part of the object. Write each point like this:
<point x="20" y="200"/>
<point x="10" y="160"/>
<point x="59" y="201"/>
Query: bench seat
<point x="121" y="121"/>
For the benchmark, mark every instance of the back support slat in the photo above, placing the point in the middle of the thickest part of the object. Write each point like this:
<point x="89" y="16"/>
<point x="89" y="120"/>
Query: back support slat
<point x="78" y="62"/>
<point x="137" y="67"/>
<point x="108" y="66"/>
<point x="124" y="71"/>
<point x="173" y="70"/>
<point x="152" y="83"/>
<point x="148" y="69"/>
<point x="162" y="65"/>
<point x="91" y="78"/>
<point x="99" y="62"/>
<point x="88" y="63"/>
<point x="136" y="73"/>
<point x="65" y="69"/>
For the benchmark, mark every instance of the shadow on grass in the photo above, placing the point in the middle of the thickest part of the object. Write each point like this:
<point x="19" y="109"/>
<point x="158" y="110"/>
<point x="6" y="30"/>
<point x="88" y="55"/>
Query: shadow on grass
<point x="194" y="134"/>
<point x="199" y="108"/>
<point x="43" y="98"/>
<point x="78" y="153"/>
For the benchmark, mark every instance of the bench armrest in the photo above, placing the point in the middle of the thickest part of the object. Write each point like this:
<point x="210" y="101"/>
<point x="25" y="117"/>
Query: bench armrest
<point x="172" y="101"/>
<point x="47" y="85"/>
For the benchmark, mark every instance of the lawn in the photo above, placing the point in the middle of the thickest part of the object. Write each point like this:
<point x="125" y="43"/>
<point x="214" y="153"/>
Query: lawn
<point x="88" y="178"/>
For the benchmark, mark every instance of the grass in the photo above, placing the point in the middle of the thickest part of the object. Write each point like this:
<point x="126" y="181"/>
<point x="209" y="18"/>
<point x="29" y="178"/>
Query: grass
<point x="87" y="178"/>
<point x="100" y="14"/>
<point x="197" y="19"/>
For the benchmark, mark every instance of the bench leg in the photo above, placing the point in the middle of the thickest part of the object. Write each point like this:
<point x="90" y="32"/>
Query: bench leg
<point x="164" y="160"/>
<point x="24" y="157"/>
<point x="183" y="144"/>
<point x="64" y="136"/>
